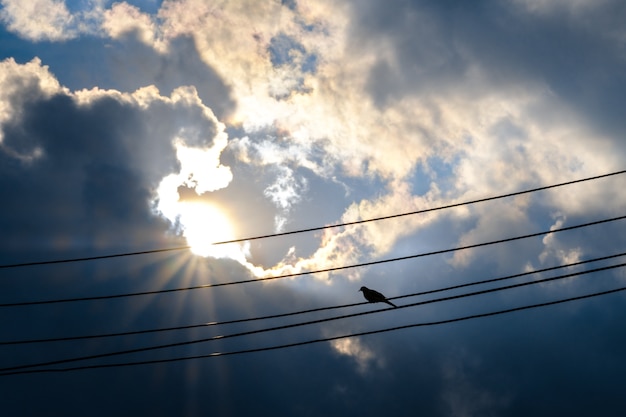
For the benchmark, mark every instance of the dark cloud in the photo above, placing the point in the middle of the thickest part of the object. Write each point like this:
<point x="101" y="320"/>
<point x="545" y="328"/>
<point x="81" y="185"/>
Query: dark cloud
<point x="90" y="191"/>
<point x="135" y="65"/>
<point x="500" y="366"/>
<point x="87" y="176"/>
<point x="99" y="164"/>
<point x="435" y="45"/>
<point x="420" y="53"/>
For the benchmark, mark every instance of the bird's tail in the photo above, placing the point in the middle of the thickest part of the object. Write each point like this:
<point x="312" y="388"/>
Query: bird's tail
<point x="391" y="304"/>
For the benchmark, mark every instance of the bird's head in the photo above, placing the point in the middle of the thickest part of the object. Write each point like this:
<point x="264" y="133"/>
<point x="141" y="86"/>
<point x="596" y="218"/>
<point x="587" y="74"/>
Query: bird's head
<point x="362" y="288"/>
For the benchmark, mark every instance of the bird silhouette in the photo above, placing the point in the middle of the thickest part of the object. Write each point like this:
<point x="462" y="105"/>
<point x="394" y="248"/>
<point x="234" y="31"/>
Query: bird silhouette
<point x="374" y="296"/>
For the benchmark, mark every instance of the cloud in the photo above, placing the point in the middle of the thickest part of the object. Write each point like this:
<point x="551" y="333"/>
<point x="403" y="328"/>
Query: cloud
<point x="38" y="20"/>
<point x="361" y="354"/>
<point x="463" y="396"/>
<point x="123" y="18"/>
<point x="545" y="7"/>
<point x="50" y="20"/>
<point x="160" y="124"/>
<point x="109" y="151"/>
<point x="502" y="221"/>
<point x="22" y="84"/>
<point x="285" y="192"/>
<point x="557" y="250"/>
<point x="330" y="117"/>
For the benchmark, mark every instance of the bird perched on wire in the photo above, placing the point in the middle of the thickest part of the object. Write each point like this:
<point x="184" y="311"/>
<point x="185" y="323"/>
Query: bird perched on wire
<point x="374" y="296"/>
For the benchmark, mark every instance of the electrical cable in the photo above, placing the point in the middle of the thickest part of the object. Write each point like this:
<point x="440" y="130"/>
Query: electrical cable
<point x="273" y="316"/>
<point x="308" y="342"/>
<point x="293" y="325"/>
<point x="338" y="268"/>
<point x="312" y="229"/>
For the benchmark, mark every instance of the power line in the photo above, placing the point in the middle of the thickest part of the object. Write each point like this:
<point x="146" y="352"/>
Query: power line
<point x="333" y="269"/>
<point x="312" y="229"/>
<point x="300" y="312"/>
<point x="306" y="323"/>
<point x="327" y="339"/>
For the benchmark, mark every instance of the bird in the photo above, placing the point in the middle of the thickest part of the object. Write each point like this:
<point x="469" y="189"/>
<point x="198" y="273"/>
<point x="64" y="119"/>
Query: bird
<point x="374" y="296"/>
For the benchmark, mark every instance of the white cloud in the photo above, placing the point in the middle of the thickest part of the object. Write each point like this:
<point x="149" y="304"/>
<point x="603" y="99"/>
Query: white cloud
<point x="23" y="82"/>
<point x="19" y="85"/>
<point x="285" y="192"/>
<point x="492" y="137"/>
<point x="360" y="353"/>
<point x="500" y="221"/>
<point x="50" y="20"/>
<point x="38" y="19"/>
<point x="123" y="18"/>
<point x="555" y="251"/>
<point x="495" y="138"/>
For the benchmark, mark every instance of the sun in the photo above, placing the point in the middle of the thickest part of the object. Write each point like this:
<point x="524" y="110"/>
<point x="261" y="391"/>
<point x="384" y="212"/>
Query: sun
<point x="200" y="222"/>
<point x="203" y="225"/>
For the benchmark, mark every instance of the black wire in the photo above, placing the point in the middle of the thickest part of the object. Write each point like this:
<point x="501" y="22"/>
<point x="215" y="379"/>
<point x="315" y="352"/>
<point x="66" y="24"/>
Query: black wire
<point x="338" y="268"/>
<point x="293" y="325"/>
<point x="312" y="229"/>
<point x="326" y="339"/>
<point x="273" y="316"/>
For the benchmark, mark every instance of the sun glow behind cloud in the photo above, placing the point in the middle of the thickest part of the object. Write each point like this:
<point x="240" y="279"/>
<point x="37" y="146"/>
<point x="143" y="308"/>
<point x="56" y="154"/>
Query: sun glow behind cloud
<point x="202" y="224"/>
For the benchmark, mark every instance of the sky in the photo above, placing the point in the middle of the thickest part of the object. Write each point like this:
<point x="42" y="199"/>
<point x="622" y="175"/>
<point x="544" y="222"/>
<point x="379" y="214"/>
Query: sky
<point x="145" y="125"/>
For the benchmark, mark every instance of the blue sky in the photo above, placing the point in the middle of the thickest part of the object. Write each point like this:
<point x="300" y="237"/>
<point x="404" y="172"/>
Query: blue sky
<point x="142" y="125"/>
